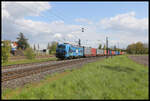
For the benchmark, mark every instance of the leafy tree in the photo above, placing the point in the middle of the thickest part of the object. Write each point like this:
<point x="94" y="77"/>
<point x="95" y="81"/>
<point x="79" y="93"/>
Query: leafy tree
<point x="104" y="47"/>
<point x="53" y="46"/>
<point x="137" y="48"/>
<point x="131" y="49"/>
<point x="22" y="41"/>
<point x="5" y="51"/>
<point x="100" y="46"/>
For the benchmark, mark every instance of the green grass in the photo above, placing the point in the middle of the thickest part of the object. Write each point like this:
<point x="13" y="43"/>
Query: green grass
<point x="116" y="78"/>
<point x="23" y="61"/>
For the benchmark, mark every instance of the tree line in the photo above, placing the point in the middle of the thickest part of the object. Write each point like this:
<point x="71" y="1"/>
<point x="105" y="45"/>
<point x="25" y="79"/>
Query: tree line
<point x="113" y="48"/>
<point x="137" y="48"/>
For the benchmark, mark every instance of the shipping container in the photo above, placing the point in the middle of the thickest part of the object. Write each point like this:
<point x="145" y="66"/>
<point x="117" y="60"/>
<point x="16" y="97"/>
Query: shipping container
<point x="87" y="51"/>
<point x="116" y="53"/>
<point x="93" y="51"/>
<point x="113" y="52"/>
<point x="99" y="52"/>
<point x="105" y="52"/>
<point x="110" y="52"/>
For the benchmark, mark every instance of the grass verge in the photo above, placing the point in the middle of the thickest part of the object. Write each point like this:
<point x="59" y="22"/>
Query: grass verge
<point x="113" y="78"/>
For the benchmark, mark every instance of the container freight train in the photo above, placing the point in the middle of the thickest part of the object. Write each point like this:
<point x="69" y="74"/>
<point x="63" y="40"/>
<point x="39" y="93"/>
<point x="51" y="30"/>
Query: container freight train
<point x="68" y="51"/>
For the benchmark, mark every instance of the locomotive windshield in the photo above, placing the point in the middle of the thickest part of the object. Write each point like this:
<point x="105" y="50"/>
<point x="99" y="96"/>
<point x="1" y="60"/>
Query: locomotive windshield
<point x="61" y="46"/>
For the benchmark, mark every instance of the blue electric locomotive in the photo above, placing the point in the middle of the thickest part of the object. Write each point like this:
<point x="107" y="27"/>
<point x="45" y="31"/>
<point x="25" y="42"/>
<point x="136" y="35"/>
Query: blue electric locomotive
<point x="66" y="51"/>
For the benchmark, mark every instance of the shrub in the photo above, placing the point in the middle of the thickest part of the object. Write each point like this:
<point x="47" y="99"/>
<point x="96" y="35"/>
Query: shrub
<point x="29" y="53"/>
<point x="5" y="51"/>
<point x="50" y="51"/>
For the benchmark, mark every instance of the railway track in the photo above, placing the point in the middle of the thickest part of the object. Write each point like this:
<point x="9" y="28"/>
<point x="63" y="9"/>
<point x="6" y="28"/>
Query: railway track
<point x="14" y="74"/>
<point x="30" y="64"/>
<point x="24" y="64"/>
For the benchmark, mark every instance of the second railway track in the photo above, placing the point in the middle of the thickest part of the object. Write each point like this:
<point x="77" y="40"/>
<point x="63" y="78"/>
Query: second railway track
<point x="9" y="75"/>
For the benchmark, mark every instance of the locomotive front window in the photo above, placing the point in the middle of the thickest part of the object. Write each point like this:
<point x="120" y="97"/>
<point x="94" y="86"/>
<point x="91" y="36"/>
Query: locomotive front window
<point x="61" y="46"/>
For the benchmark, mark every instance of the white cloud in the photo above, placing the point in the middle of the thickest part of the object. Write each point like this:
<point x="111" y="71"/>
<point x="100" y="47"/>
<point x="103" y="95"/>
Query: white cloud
<point x="125" y="22"/>
<point x="4" y="11"/>
<point x="125" y="28"/>
<point x="21" y="9"/>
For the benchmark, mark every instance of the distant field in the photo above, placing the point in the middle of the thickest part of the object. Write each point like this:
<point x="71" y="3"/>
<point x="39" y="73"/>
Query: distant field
<point x="113" y="78"/>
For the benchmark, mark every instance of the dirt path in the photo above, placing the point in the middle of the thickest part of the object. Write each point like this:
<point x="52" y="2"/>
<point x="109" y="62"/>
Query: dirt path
<point x="140" y="59"/>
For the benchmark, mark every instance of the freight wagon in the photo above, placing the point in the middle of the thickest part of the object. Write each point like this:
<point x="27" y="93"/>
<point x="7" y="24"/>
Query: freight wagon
<point x="105" y="52"/>
<point x="99" y="52"/>
<point x="116" y="52"/>
<point x="110" y="52"/>
<point x="87" y="52"/>
<point x="93" y="51"/>
<point x="113" y="52"/>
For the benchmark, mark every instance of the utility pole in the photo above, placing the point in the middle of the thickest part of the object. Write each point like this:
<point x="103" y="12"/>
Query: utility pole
<point x="118" y="47"/>
<point x="38" y="49"/>
<point x="79" y="42"/>
<point x="107" y="46"/>
<point x="79" y="39"/>
<point x="82" y="29"/>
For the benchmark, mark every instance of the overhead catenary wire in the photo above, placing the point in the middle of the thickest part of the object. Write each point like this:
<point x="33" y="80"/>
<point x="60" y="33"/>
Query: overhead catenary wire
<point x="58" y="16"/>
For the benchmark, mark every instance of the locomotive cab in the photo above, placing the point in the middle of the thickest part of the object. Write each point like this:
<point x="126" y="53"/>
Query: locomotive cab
<point x="61" y="51"/>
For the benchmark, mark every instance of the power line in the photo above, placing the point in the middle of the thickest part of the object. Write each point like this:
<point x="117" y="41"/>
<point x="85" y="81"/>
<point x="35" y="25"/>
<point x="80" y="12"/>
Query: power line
<point x="44" y="15"/>
<point x="34" y="11"/>
<point x="57" y="16"/>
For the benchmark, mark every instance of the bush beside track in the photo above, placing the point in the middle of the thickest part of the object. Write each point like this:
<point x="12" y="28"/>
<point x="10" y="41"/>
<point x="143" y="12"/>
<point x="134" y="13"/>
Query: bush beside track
<point x="113" y="78"/>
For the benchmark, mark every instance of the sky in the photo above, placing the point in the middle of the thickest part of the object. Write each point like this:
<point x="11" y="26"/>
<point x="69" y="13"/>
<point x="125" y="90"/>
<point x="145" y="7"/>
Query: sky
<point x="43" y="22"/>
